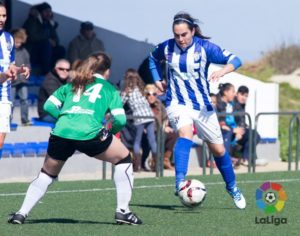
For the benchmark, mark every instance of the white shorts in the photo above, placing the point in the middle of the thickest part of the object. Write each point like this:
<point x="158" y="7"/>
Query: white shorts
<point x="5" y="112"/>
<point x="206" y="122"/>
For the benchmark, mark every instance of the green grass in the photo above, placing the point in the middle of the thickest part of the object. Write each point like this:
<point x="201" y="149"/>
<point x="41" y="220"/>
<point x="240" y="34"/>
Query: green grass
<point x="91" y="212"/>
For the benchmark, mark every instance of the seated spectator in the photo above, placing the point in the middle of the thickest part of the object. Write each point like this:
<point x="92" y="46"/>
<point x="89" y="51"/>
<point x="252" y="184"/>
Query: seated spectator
<point x="85" y="43"/>
<point x="214" y="100"/>
<point x="231" y="132"/>
<point x="133" y="95"/>
<point x="160" y="114"/>
<point x="19" y="87"/>
<point x="239" y="104"/>
<point x="53" y="80"/>
<point x="43" y="42"/>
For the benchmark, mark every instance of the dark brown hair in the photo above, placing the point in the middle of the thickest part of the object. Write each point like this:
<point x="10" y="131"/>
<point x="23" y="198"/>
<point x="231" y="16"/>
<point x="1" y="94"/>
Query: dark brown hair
<point x="184" y="17"/>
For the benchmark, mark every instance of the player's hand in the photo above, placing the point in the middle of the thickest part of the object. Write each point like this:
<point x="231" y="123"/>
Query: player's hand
<point x="215" y="76"/>
<point x="103" y="134"/>
<point x="161" y="85"/>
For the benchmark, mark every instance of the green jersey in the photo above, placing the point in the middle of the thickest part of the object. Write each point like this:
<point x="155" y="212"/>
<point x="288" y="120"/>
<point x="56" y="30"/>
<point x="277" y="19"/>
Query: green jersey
<point x="80" y="116"/>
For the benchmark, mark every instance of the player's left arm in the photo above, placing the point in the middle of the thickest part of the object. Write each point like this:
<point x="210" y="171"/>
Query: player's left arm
<point x="221" y="56"/>
<point x="117" y="112"/>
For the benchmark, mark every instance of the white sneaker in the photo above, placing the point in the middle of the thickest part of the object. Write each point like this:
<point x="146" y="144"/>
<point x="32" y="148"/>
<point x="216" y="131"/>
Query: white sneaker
<point x="238" y="198"/>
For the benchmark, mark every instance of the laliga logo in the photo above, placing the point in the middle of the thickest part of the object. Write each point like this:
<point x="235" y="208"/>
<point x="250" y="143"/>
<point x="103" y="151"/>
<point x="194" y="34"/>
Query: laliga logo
<point x="270" y="198"/>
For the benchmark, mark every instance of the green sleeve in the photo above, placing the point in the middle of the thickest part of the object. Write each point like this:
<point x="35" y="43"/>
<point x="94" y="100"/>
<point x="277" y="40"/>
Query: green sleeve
<point x="118" y="113"/>
<point x="55" y="102"/>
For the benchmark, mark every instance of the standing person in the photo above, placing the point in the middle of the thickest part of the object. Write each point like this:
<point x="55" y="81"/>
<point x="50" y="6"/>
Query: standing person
<point x="133" y="94"/>
<point x="43" y="41"/>
<point x="85" y="43"/>
<point x="160" y="114"/>
<point x="188" y="56"/>
<point x="8" y="73"/>
<point x="20" y="86"/>
<point x="53" y="80"/>
<point x="80" y="107"/>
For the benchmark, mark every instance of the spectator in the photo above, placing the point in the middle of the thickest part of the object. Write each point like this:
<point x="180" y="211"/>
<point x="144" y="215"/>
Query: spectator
<point x="213" y="98"/>
<point x="160" y="114"/>
<point x="239" y="104"/>
<point x="20" y="86"/>
<point x="85" y="43"/>
<point x="43" y="41"/>
<point x="133" y="95"/>
<point x="53" y="80"/>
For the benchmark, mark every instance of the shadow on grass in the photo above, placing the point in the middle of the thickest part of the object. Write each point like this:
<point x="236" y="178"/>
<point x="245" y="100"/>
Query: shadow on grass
<point x="162" y="207"/>
<point x="183" y="209"/>
<point x="65" y="221"/>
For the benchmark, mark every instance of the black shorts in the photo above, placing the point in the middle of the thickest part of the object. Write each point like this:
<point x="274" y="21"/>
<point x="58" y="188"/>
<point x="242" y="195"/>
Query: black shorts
<point x="61" y="148"/>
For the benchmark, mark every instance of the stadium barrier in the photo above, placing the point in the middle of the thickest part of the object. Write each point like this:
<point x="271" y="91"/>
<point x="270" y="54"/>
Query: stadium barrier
<point x="294" y="118"/>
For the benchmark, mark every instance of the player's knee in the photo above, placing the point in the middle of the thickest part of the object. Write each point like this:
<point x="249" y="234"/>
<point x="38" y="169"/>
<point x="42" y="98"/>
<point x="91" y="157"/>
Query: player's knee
<point x="47" y="173"/>
<point x="127" y="159"/>
<point x="218" y="151"/>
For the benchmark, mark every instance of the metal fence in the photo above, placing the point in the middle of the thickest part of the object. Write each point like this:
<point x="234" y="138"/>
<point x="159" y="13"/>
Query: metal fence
<point x="206" y="155"/>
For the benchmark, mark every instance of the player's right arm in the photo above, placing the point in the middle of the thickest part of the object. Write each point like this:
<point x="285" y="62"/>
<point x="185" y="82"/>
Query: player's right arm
<point x="155" y="59"/>
<point x="54" y="103"/>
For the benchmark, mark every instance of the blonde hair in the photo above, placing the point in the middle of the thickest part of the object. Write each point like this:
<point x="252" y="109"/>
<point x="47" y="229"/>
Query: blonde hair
<point x="150" y="87"/>
<point x="19" y="33"/>
<point x="132" y="79"/>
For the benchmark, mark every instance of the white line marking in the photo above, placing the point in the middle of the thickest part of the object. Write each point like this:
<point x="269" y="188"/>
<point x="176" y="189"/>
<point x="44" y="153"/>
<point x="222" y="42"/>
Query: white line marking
<point x="145" y="186"/>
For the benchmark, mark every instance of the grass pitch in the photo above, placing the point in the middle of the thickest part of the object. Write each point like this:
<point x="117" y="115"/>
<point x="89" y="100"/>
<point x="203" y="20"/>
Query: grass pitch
<point x="87" y="208"/>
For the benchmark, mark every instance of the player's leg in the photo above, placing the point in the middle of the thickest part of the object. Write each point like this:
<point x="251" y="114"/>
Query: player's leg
<point x="37" y="189"/>
<point x="182" y="150"/>
<point x="59" y="150"/>
<point x="208" y="128"/>
<point x="5" y="112"/>
<point x="2" y="138"/>
<point x="116" y="153"/>
<point x="181" y="121"/>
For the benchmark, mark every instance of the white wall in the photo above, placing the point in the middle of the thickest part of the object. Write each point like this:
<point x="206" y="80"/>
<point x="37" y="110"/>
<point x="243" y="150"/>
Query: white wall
<point x="263" y="97"/>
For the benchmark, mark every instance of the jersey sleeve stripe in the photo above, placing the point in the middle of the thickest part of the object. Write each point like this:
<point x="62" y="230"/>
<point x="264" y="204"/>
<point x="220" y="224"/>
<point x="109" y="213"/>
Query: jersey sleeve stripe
<point x="118" y="111"/>
<point x="55" y="101"/>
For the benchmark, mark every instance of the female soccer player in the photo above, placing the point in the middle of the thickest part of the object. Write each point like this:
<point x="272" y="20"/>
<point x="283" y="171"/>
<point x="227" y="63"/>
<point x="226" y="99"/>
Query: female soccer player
<point x="80" y="108"/>
<point x="188" y="56"/>
<point x="8" y="73"/>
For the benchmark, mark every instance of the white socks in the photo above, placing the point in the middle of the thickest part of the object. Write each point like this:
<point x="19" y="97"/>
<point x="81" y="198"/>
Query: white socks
<point x="123" y="178"/>
<point x="35" y="192"/>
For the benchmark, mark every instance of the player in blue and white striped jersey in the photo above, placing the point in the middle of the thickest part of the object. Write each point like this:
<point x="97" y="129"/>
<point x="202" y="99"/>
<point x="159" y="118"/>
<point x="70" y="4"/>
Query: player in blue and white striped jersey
<point x="8" y="73"/>
<point x="188" y="56"/>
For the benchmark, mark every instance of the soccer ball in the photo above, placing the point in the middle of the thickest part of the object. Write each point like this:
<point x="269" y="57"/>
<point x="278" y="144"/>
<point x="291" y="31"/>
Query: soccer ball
<point x="192" y="192"/>
<point x="270" y="197"/>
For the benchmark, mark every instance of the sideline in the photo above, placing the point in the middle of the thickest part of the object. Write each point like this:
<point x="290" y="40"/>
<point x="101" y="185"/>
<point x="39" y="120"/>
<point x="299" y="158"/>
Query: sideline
<point x="145" y="187"/>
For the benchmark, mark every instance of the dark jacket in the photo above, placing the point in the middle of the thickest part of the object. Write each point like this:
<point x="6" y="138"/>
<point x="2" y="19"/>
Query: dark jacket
<point x="51" y="83"/>
<point x="240" y="120"/>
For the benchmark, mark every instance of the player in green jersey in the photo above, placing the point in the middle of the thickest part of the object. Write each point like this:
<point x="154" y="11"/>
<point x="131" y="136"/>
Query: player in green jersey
<point x="80" y="108"/>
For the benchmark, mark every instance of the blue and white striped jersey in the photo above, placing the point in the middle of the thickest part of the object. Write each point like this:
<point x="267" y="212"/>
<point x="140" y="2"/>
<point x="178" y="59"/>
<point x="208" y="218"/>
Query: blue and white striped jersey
<point x="188" y="69"/>
<point x="7" y="57"/>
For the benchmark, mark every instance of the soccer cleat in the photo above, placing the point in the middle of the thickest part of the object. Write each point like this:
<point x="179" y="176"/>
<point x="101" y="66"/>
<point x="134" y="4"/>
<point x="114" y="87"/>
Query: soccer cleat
<point x="127" y="218"/>
<point x="238" y="197"/>
<point x="16" y="218"/>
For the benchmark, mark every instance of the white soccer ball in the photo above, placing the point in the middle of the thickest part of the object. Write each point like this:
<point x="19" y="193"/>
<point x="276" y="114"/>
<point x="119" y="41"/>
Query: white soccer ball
<point x="192" y="192"/>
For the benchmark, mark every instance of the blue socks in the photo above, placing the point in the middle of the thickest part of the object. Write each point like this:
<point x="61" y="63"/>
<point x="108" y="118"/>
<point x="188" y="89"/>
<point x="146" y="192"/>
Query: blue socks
<point x="0" y="153"/>
<point x="181" y="156"/>
<point x="225" y="167"/>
